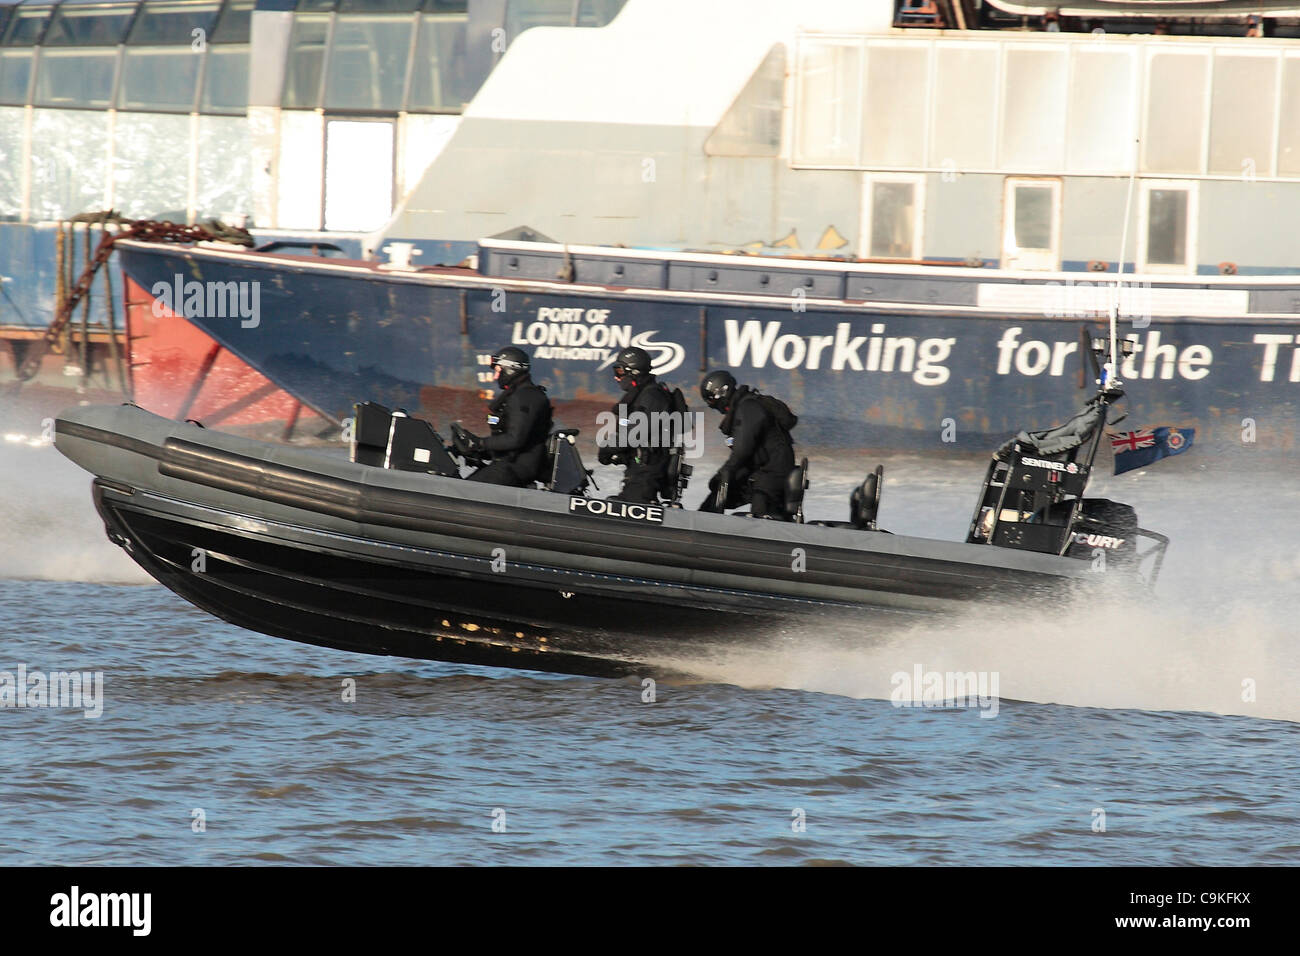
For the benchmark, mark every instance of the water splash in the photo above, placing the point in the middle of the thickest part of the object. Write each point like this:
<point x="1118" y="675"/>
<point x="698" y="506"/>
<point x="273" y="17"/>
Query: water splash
<point x="1218" y="636"/>
<point x="48" y="525"/>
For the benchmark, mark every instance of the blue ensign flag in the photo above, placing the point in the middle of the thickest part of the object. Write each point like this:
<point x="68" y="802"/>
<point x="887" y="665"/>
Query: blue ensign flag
<point x="1143" y="447"/>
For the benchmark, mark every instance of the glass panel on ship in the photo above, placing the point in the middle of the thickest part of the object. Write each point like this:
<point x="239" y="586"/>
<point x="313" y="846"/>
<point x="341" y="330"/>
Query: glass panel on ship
<point x="353" y="77"/>
<point x="175" y="72"/>
<point x="992" y="147"/>
<point x="1015" y="150"/>
<point x="367" y="80"/>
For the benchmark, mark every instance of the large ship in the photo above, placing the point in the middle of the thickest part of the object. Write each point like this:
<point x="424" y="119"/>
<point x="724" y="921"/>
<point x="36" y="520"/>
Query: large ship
<point x="191" y="110"/>
<point x="896" y="214"/>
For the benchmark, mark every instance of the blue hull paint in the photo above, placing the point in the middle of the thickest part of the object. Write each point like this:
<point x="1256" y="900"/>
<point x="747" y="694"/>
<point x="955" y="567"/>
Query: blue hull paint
<point x="334" y="337"/>
<point x="27" y="269"/>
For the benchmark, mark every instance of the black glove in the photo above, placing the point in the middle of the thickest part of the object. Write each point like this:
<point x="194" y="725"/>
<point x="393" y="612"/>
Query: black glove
<point x="468" y="445"/>
<point x="607" y="455"/>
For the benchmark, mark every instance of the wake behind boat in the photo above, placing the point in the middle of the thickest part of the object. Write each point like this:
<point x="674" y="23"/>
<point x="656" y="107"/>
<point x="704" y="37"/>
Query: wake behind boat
<point x="410" y="560"/>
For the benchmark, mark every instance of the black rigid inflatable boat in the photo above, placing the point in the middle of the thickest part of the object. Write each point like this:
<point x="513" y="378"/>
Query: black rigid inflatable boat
<point x="393" y="557"/>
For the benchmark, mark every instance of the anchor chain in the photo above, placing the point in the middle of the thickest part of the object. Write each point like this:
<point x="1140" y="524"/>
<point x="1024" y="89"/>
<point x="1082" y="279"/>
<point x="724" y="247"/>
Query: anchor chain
<point x="144" y="230"/>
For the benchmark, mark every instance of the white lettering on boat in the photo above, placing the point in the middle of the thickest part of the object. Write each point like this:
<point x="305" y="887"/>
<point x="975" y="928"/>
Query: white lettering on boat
<point x="627" y="510"/>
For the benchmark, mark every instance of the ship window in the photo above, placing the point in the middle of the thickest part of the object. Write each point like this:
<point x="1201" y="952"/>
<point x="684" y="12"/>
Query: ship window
<point x="439" y="80"/>
<point x="26" y="27"/>
<point x="1175" y="122"/>
<point x="306" y="59"/>
<point x="752" y="126"/>
<point x="523" y="14"/>
<point x="1241" y="115"/>
<point x="302" y="162"/>
<point x="444" y="6"/>
<point x="962" y="131"/>
<point x="1031" y="223"/>
<point x="225" y="81"/>
<point x="75" y="78"/>
<point x="367" y="63"/>
<point x="891" y="217"/>
<point x="1033" y="115"/>
<point x="1288" y="147"/>
<point x="69" y="166"/>
<point x="15" y="76"/>
<point x="89" y="26"/>
<point x="160" y="78"/>
<point x="1101" y="128"/>
<point x="830" y="95"/>
<point x="1167" y="230"/>
<point x="235" y="22"/>
<point x="148" y="182"/>
<point x="12" y="125"/>
<point x="223" y="186"/>
<point x="597" y="13"/>
<point x="358" y="174"/>
<point x="316" y="6"/>
<point x="378" y="6"/>
<point x="894" y="122"/>
<point x="170" y="22"/>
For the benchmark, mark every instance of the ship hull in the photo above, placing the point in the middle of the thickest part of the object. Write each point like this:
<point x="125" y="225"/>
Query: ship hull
<point x="859" y="373"/>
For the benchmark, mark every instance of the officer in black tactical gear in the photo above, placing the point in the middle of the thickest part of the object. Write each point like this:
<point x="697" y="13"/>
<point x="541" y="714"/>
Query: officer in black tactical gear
<point x="647" y="433"/>
<point x="520" y="418"/>
<point x="757" y="427"/>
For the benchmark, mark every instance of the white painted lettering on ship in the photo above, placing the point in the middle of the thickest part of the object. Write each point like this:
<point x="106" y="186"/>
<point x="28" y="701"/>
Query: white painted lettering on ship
<point x="1268" y="362"/>
<point x="584" y="335"/>
<point x="555" y="314"/>
<point x="1151" y="357"/>
<point x="755" y="343"/>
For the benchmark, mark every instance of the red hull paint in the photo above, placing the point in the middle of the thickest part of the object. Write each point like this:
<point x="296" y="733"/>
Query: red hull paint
<point x="180" y="372"/>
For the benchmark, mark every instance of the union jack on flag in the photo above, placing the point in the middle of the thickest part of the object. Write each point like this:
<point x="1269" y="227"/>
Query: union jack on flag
<point x="1146" y="446"/>
<point x="1132" y="441"/>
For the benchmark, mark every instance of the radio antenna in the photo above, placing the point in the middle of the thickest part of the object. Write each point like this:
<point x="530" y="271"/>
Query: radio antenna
<point x="1111" y="373"/>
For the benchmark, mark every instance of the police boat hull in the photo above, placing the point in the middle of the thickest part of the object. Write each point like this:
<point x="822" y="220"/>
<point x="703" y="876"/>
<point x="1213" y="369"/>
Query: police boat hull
<point x="301" y="544"/>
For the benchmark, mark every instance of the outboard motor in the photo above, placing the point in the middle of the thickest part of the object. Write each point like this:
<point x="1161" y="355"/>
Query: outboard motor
<point x="1106" y="527"/>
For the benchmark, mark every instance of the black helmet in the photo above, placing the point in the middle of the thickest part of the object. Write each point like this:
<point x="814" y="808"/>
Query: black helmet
<point x="717" y="389"/>
<point x="511" y="365"/>
<point x="632" y="364"/>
